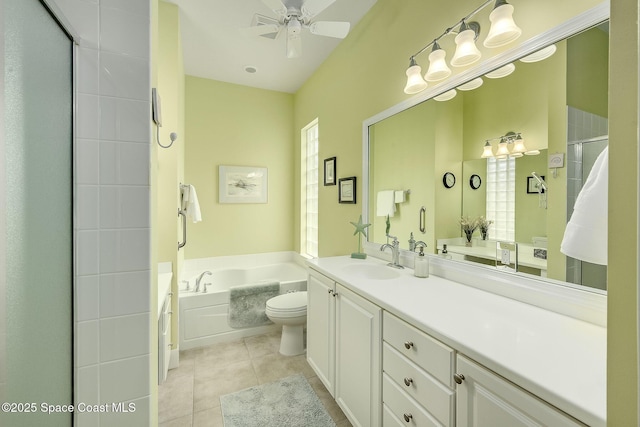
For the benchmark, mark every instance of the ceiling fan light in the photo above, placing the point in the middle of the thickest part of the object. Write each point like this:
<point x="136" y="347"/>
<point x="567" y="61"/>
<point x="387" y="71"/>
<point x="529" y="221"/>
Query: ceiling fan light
<point x="467" y="52"/>
<point x="438" y="69"/>
<point x="415" y="82"/>
<point x="503" y="29"/>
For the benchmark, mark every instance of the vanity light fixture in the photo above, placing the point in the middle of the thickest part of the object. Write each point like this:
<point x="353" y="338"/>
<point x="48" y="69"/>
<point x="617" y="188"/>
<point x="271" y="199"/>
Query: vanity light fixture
<point x="415" y="82"/>
<point x="511" y="145"/>
<point x="471" y="85"/>
<point x="438" y="69"/>
<point x="503" y="31"/>
<point x="501" y="72"/>
<point x="446" y="96"/>
<point x="540" y="55"/>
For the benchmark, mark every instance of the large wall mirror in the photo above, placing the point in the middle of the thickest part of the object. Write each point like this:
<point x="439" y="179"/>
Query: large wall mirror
<point x="431" y="153"/>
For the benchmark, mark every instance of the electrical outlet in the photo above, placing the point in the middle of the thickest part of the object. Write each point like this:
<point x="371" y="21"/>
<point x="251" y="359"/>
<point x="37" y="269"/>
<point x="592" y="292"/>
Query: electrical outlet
<point x="504" y="257"/>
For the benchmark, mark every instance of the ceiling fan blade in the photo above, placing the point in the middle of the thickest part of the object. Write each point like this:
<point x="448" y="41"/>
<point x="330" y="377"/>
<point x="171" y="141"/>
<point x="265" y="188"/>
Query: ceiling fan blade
<point x="277" y="6"/>
<point x="259" y="30"/>
<point x="311" y="8"/>
<point x="294" y="45"/>
<point x="338" y="30"/>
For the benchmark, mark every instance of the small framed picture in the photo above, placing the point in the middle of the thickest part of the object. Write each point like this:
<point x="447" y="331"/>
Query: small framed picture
<point x="533" y="185"/>
<point x="330" y="171"/>
<point x="240" y="184"/>
<point x="347" y="190"/>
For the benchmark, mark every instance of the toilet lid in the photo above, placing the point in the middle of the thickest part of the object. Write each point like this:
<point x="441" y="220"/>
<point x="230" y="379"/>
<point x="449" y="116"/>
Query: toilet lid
<point x="289" y="302"/>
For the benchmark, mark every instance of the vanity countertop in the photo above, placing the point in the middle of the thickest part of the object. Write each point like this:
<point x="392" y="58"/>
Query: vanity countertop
<point x="559" y="358"/>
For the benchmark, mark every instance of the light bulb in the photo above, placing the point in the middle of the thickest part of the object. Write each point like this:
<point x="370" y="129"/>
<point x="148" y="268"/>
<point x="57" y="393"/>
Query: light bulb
<point x="415" y="82"/>
<point x="487" y="151"/>
<point x="466" y="51"/>
<point x="503" y="29"/>
<point x="438" y="69"/>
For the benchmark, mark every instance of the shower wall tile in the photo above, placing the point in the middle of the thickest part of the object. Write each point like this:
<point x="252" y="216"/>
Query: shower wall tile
<point x="124" y="337"/>
<point x="124" y="120"/>
<point x="88" y="70"/>
<point x="87" y="334"/>
<point x="124" y="207"/>
<point x="124" y="380"/>
<point x="124" y="76"/>
<point x="87" y="303"/>
<point x="125" y="293"/>
<point x="135" y="7"/>
<point x="87" y="161"/>
<point x="113" y="37"/>
<point x="124" y="250"/>
<point x="122" y="163"/>
<point x="84" y="16"/>
<point x="86" y="380"/>
<point x="87" y="207"/>
<point x="87" y="253"/>
<point x="87" y="116"/>
<point x="138" y="418"/>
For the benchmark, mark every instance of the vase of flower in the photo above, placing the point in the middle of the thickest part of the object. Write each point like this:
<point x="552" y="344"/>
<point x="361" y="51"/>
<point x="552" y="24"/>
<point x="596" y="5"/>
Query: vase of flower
<point x="484" y="224"/>
<point x="468" y="227"/>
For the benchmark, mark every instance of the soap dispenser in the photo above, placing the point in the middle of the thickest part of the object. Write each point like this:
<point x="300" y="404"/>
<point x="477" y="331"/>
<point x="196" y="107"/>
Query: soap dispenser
<point x="421" y="267"/>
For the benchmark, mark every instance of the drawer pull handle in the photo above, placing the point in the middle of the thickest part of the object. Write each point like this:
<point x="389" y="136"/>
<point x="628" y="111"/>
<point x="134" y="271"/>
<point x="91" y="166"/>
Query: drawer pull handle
<point x="408" y="417"/>
<point x="458" y="378"/>
<point x="331" y="291"/>
<point x="408" y="381"/>
<point x="408" y="345"/>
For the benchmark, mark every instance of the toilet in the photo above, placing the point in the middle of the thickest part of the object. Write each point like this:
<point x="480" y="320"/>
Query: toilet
<point x="290" y="311"/>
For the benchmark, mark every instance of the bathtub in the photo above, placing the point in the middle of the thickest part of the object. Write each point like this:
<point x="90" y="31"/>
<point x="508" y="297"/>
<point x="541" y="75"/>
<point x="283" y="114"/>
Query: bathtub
<point x="203" y="316"/>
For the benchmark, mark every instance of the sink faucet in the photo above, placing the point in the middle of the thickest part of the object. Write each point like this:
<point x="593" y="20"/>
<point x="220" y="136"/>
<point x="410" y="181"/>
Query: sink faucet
<point x="199" y="279"/>
<point x="395" y="252"/>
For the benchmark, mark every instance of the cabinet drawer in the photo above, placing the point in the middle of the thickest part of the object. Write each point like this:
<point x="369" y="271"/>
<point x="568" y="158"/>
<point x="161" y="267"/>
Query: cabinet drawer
<point x="389" y="419"/>
<point x="428" y="353"/>
<point x="404" y="407"/>
<point x="437" y="399"/>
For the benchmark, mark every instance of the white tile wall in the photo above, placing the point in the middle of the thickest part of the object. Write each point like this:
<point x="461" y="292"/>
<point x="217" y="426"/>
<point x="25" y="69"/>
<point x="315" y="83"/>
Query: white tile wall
<point x="112" y="206"/>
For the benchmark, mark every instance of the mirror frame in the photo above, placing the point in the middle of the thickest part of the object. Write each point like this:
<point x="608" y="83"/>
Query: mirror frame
<point x="581" y="22"/>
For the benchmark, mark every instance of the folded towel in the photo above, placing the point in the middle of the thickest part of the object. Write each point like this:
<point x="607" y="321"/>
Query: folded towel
<point x="585" y="237"/>
<point x="190" y="203"/>
<point x="386" y="203"/>
<point x="399" y="196"/>
<point x="247" y="304"/>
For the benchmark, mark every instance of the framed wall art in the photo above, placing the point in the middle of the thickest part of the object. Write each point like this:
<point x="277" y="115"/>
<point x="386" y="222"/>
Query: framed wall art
<point x="242" y="184"/>
<point x="330" y="171"/>
<point x="347" y="190"/>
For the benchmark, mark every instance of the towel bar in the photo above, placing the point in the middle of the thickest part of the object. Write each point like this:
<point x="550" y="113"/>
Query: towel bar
<point x="184" y="228"/>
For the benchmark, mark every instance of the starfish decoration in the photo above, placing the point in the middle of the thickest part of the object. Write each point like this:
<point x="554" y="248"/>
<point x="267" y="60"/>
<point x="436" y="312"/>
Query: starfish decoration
<point x="360" y="227"/>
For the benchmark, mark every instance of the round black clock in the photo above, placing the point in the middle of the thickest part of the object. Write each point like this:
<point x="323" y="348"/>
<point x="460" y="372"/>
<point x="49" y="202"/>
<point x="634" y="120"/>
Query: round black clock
<point x="475" y="181"/>
<point x="449" y="180"/>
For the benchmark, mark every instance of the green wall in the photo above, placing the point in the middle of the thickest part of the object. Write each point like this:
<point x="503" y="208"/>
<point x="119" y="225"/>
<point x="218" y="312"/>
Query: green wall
<point x="234" y="125"/>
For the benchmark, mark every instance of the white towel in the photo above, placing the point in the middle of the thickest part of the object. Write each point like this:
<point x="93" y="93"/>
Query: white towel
<point x="386" y="203"/>
<point x="585" y="237"/>
<point x="399" y="196"/>
<point x="190" y="203"/>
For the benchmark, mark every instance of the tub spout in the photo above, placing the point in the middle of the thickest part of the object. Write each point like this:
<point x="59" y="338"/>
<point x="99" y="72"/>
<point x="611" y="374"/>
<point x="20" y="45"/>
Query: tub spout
<point x="199" y="279"/>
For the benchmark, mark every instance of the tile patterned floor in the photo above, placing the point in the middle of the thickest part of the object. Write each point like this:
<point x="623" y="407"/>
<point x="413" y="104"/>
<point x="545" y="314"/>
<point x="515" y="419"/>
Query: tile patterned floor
<point x="190" y="396"/>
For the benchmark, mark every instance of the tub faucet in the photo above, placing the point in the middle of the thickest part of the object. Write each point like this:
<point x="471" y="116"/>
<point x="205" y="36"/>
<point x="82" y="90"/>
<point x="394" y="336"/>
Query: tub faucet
<point x="395" y="252"/>
<point x="199" y="279"/>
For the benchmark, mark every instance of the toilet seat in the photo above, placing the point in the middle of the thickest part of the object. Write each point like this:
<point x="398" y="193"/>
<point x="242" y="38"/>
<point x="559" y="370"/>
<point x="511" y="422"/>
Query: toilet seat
<point x="293" y="304"/>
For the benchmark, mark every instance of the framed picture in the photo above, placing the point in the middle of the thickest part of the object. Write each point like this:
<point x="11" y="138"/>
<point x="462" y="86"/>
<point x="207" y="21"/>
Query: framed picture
<point x="330" y="171"/>
<point x="532" y="185"/>
<point x="347" y="190"/>
<point x="242" y="184"/>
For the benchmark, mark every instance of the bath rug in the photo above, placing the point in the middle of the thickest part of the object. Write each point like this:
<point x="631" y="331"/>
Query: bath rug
<point x="288" y="402"/>
<point x="247" y="304"/>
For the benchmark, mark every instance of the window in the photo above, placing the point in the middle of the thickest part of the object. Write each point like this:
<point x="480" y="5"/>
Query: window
<point x="501" y="197"/>
<point x="309" y="191"/>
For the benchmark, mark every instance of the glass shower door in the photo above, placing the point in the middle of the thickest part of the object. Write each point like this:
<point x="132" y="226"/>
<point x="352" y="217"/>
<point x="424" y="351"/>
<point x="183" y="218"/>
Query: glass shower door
<point x="36" y="299"/>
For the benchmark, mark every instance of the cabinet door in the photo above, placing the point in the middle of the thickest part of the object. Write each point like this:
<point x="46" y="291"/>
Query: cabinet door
<point x="321" y="328"/>
<point x="358" y="348"/>
<point x="484" y="399"/>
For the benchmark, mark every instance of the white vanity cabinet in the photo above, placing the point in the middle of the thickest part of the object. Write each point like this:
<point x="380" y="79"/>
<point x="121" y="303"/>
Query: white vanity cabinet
<point x="417" y="375"/>
<point x="343" y="347"/>
<point x="486" y="399"/>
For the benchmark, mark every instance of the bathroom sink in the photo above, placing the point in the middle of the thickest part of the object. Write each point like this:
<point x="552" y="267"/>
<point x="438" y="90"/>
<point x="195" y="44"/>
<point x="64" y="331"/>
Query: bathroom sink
<point x="372" y="272"/>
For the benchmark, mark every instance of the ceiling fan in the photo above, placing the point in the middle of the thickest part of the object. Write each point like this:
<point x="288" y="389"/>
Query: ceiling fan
<point x="295" y="15"/>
